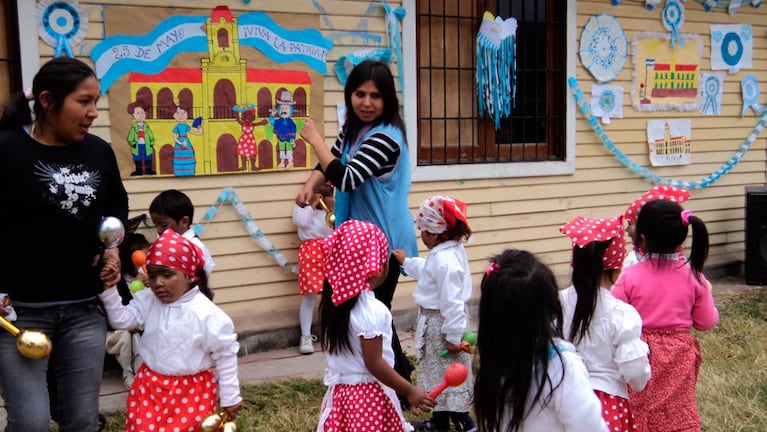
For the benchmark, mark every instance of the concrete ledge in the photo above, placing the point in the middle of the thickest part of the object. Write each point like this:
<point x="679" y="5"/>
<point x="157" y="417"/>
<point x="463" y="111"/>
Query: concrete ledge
<point x="279" y="329"/>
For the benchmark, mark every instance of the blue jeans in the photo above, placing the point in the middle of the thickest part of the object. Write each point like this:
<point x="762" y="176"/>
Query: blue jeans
<point x="78" y="332"/>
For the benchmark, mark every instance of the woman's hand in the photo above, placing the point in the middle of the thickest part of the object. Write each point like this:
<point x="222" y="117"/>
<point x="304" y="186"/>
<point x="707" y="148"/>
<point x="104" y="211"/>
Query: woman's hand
<point x="311" y="134"/>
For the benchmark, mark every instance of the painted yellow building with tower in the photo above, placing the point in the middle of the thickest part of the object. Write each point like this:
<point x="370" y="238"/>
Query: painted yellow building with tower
<point x="223" y="108"/>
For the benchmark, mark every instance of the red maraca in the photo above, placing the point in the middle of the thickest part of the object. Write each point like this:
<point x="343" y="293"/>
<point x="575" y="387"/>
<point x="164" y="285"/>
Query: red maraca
<point x="455" y="375"/>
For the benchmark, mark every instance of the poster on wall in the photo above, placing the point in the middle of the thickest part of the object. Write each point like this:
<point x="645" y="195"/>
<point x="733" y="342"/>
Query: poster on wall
<point x="665" y="77"/>
<point x="219" y="93"/>
<point x="669" y="142"/>
<point x="732" y="47"/>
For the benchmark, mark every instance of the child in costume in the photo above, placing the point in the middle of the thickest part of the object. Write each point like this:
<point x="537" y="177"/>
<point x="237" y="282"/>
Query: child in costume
<point x="312" y="229"/>
<point x="605" y="331"/>
<point x="529" y="378"/>
<point x="672" y="297"/>
<point x="670" y="193"/>
<point x="185" y="336"/>
<point x="356" y="331"/>
<point x="444" y="285"/>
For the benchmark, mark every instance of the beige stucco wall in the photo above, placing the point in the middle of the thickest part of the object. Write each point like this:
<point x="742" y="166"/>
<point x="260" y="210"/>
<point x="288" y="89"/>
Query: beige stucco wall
<point x="521" y="212"/>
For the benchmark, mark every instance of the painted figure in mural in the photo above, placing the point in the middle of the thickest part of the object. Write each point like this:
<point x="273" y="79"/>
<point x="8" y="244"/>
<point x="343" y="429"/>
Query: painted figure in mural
<point x="184" y="163"/>
<point x="247" y="149"/>
<point x="64" y="181"/>
<point x="284" y="128"/>
<point x="141" y="140"/>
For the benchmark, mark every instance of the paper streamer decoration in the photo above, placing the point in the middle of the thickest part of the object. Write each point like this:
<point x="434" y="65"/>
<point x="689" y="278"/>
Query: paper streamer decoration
<point x="673" y="19"/>
<point x="583" y="106"/>
<point x="496" y="68"/>
<point x="394" y="19"/>
<point x="604" y="47"/>
<point x="731" y="47"/>
<point x="607" y="102"/>
<point x="346" y="63"/>
<point x="228" y="196"/>
<point x="710" y="99"/>
<point x="62" y="25"/>
<point x="749" y="86"/>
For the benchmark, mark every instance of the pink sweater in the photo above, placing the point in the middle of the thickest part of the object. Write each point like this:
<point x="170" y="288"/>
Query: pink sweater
<point x="667" y="295"/>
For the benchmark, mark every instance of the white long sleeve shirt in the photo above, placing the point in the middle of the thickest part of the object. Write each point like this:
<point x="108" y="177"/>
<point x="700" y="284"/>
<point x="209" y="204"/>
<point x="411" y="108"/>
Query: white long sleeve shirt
<point x="310" y="222"/>
<point x="444" y="284"/>
<point x="185" y="337"/>
<point x="192" y="237"/>
<point x="612" y="349"/>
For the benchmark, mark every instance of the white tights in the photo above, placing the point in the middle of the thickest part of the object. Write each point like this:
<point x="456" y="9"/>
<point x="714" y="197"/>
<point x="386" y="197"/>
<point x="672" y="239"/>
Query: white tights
<point x="306" y="313"/>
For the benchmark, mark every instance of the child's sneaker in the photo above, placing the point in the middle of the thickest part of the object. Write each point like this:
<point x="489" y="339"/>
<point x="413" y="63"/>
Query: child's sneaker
<point x="307" y="344"/>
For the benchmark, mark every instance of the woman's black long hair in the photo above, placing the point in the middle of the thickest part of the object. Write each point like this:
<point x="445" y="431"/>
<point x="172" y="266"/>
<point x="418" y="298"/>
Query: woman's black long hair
<point x="334" y="322"/>
<point x="59" y="77"/>
<point x="380" y="74"/>
<point x="519" y="318"/>
<point x="587" y="274"/>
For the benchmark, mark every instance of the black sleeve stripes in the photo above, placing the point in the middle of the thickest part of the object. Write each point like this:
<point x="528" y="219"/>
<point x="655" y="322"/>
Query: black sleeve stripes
<point x="376" y="157"/>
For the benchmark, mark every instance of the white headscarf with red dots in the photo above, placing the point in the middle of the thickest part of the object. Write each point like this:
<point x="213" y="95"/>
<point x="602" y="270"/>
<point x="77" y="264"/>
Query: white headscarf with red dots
<point x="354" y="252"/>
<point x="174" y="251"/>
<point x="439" y="213"/>
<point x="668" y="193"/>
<point x="583" y="231"/>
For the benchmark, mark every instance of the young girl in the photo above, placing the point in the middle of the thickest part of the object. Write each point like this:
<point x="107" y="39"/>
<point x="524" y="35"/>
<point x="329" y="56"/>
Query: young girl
<point x="185" y="336"/>
<point x="605" y="331"/>
<point x="529" y="378"/>
<point x="444" y="286"/>
<point x="312" y="230"/>
<point x="356" y="332"/>
<point x="670" y="193"/>
<point x="671" y="296"/>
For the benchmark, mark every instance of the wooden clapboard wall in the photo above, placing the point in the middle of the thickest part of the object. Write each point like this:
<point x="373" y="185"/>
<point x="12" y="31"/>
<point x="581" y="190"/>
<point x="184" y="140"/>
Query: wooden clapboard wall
<point x="514" y="212"/>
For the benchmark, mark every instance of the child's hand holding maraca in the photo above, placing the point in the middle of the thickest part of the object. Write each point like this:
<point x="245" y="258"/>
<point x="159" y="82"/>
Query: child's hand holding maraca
<point x="420" y="401"/>
<point x="110" y="273"/>
<point x="468" y="340"/>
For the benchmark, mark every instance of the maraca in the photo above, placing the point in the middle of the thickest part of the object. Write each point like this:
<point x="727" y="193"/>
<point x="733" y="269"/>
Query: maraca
<point x="111" y="232"/>
<point x="468" y="340"/>
<point x="32" y="344"/>
<point x="139" y="260"/>
<point x="455" y="375"/>
<point x="216" y="422"/>
<point x="330" y="218"/>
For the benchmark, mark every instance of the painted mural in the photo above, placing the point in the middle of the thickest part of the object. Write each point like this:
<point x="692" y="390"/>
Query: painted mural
<point x="211" y="95"/>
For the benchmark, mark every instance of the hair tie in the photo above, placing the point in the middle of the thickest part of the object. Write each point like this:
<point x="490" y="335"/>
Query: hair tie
<point x="492" y="268"/>
<point x="29" y="94"/>
<point x="686" y="217"/>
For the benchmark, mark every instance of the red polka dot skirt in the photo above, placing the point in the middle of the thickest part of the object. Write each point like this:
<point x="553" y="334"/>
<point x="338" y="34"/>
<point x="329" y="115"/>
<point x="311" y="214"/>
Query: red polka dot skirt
<point x="161" y="403"/>
<point x="310" y="263"/>
<point x="616" y="412"/>
<point x="362" y="408"/>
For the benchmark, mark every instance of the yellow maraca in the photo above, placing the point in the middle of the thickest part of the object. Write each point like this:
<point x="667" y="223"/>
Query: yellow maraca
<point x="32" y="344"/>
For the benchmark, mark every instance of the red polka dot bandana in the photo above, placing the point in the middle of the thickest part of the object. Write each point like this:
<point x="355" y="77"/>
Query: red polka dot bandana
<point x="174" y="251"/>
<point x="583" y="231"/>
<point x="669" y="193"/>
<point x="354" y="251"/>
<point x="439" y="214"/>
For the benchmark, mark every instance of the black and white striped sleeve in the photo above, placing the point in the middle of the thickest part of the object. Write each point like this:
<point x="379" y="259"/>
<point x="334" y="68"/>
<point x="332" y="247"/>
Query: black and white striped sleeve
<point x="376" y="157"/>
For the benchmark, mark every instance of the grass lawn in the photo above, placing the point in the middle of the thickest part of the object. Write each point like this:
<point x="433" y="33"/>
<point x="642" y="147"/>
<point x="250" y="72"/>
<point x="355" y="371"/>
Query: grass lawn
<point x="732" y="387"/>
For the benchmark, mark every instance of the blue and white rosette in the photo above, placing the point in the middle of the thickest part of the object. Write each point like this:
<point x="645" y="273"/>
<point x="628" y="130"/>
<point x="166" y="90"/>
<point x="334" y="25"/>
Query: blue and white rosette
<point x="673" y="19"/>
<point x="711" y="96"/>
<point x="749" y="86"/>
<point x="604" y="47"/>
<point x="583" y="106"/>
<point x="62" y="24"/>
<point x="229" y="196"/>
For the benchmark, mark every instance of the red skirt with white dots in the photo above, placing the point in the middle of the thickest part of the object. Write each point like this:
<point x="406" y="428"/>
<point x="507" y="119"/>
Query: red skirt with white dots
<point x="160" y="403"/>
<point x="310" y="262"/>
<point x="616" y="412"/>
<point x="361" y="407"/>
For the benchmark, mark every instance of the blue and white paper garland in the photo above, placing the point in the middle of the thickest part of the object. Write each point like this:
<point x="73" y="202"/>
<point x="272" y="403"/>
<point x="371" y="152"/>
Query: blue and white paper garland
<point x="229" y="196"/>
<point x="583" y="106"/>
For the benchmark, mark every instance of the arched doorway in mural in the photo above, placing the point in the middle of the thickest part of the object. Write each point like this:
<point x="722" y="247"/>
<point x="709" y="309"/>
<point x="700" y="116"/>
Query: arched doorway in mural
<point x="226" y="154"/>
<point x="299" y="153"/>
<point x="166" y="159"/>
<point x="265" y="154"/>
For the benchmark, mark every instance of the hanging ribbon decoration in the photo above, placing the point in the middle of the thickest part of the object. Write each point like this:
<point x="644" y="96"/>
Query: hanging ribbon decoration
<point x="229" y="196"/>
<point x="583" y="106"/>
<point x="394" y="18"/>
<point x="673" y="18"/>
<point x="496" y="69"/>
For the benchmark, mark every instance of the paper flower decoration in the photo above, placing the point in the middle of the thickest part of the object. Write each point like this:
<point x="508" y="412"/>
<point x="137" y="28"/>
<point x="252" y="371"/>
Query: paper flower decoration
<point x="604" y="47"/>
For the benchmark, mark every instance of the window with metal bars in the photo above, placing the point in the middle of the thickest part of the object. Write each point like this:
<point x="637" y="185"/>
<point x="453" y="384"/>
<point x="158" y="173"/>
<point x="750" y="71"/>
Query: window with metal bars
<point x="450" y="129"/>
<point x="10" y="57"/>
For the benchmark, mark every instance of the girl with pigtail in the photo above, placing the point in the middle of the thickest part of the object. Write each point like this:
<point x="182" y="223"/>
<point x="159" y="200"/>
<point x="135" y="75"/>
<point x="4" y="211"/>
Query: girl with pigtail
<point x="672" y="297"/>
